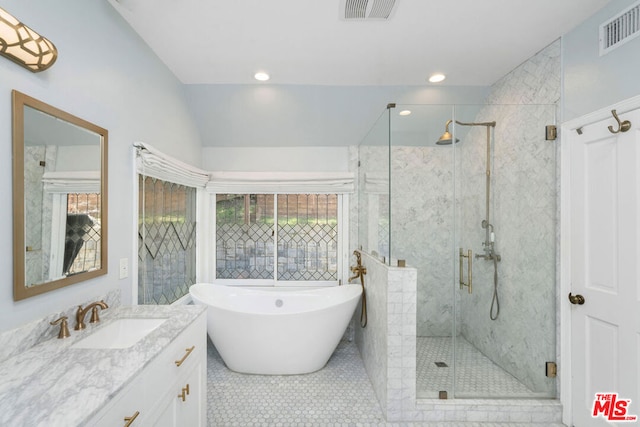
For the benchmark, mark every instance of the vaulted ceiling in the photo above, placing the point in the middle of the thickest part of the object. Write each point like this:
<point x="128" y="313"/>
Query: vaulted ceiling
<point x="310" y="42"/>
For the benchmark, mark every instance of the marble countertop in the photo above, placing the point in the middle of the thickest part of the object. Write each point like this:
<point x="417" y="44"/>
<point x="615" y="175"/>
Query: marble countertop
<point x="52" y="384"/>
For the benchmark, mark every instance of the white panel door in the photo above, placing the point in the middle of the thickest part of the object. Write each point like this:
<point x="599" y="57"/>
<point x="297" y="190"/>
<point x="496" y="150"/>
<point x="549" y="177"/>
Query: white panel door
<point x="605" y="228"/>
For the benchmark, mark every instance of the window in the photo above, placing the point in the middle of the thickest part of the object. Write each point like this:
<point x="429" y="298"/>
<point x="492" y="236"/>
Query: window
<point x="166" y="240"/>
<point x="244" y="236"/>
<point x="74" y="235"/>
<point x="303" y="228"/>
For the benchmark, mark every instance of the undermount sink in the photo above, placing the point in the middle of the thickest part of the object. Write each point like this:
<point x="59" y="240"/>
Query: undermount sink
<point x="120" y="333"/>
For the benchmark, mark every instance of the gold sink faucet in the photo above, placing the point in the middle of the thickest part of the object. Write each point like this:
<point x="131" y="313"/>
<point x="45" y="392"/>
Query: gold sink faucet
<point x="80" y="314"/>
<point x="64" y="330"/>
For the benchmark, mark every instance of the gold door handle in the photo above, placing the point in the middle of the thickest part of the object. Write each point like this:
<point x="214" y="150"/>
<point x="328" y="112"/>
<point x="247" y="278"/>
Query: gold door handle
<point x="181" y="361"/>
<point x="129" y="420"/>
<point x="469" y="269"/>
<point x="576" y="299"/>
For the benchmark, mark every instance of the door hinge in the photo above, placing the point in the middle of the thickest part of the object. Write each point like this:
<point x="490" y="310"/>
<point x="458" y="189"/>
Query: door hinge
<point x="551" y="132"/>
<point x="551" y="369"/>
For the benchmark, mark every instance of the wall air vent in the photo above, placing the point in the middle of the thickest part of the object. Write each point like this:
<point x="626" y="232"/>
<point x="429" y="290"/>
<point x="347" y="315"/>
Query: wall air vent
<point x="368" y="9"/>
<point x="620" y="29"/>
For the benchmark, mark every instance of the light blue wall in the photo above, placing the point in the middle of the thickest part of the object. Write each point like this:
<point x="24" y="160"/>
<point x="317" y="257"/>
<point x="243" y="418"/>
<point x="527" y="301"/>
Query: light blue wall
<point x="107" y="75"/>
<point x="316" y="116"/>
<point x="591" y="81"/>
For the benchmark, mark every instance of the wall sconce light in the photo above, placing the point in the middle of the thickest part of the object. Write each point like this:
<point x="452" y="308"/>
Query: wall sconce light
<point x="24" y="46"/>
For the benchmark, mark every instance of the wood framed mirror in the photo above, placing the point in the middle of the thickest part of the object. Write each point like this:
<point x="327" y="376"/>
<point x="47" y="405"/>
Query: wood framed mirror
<point x="59" y="198"/>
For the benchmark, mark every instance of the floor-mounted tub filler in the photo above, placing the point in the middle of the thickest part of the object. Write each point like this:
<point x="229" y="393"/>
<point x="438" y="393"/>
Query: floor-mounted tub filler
<point x="276" y="331"/>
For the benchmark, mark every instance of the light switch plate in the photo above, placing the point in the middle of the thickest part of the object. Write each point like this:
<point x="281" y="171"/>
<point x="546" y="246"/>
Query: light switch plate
<point x="124" y="268"/>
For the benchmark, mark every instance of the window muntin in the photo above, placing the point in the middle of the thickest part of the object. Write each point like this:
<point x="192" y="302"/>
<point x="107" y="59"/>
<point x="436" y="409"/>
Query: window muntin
<point x="306" y="237"/>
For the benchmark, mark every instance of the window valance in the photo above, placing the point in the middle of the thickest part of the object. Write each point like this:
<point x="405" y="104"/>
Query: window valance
<point x="154" y="163"/>
<point x="71" y="182"/>
<point x="281" y="182"/>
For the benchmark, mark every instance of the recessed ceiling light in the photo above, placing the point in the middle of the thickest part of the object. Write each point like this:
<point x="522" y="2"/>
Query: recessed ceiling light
<point x="261" y="76"/>
<point x="405" y="112"/>
<point x="436" y="78"/>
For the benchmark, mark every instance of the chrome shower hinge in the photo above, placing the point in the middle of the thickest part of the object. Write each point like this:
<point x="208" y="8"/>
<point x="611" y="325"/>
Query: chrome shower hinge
<point x="551" y="133"/>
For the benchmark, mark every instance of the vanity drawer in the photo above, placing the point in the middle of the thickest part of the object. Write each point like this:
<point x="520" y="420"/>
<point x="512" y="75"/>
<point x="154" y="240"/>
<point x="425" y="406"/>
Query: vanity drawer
<point x="180" y="356"/>
<point x="130" y="404"/>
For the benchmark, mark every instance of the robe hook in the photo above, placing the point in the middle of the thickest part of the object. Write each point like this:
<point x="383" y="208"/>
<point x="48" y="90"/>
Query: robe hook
<point x="622" y="126"/>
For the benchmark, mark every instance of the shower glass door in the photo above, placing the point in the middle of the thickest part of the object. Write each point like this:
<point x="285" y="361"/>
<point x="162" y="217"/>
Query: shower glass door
<point x="506" y="216"/>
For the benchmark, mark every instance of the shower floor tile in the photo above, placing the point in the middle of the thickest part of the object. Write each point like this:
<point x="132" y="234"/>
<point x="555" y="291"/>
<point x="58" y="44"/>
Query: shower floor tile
<point x="477" y="376"/>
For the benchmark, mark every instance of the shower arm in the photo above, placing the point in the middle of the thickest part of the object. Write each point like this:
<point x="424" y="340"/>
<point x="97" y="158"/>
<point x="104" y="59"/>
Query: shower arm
<point x="487" y="124"/>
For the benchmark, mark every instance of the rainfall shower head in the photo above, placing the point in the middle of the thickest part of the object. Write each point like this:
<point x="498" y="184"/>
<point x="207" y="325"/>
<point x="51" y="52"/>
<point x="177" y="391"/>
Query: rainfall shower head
<point x="446" y="137"/>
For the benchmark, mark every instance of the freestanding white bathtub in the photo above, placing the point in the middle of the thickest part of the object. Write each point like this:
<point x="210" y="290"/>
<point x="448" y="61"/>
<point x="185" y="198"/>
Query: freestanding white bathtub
<point x="276" y="331"/>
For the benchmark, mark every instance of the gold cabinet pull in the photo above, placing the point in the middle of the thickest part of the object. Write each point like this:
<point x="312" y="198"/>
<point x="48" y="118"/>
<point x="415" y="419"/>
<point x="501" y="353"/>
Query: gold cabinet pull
<point x="185" y="393"/>
<point x="129" y="420"/>
<point x="188" y="350"/>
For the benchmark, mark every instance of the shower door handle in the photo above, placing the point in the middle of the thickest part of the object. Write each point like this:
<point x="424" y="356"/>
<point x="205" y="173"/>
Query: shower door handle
<point x="469" y="257"/>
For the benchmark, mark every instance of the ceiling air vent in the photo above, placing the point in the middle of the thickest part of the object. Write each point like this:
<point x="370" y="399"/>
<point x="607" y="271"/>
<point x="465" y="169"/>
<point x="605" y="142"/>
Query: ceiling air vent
<point x="368" y="9"/>
<point x="620" y="29"/>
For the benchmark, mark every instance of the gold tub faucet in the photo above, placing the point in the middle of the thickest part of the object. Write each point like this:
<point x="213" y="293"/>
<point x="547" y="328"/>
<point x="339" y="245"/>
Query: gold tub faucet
<point x="81" y="313"/>
<point x="359" y="270"/>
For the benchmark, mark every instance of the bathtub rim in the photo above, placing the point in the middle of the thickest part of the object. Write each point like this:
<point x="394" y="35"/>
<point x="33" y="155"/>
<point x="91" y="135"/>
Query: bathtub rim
<point x="261" y="290"/>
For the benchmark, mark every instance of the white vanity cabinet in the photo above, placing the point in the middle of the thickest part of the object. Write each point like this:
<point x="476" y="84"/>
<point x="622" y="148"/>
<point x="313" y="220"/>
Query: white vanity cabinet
<point x="170" y="391"/>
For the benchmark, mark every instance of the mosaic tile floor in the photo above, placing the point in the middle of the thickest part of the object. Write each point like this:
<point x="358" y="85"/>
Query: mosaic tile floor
<point x="340" y="395"/>
<point x="476" y="375"/>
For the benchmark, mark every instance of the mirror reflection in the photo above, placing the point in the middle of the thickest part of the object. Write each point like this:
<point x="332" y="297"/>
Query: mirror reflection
<point x="59" y="198"/>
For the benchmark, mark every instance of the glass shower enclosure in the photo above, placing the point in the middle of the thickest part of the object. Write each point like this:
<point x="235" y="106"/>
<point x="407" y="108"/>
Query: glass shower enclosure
<point x="475" y="214"/>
